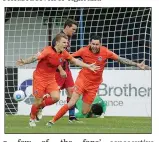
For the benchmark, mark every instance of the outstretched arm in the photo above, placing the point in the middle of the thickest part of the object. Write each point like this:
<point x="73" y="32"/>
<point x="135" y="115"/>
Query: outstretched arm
<point x="31" y="59"/>
<point x="92" y="67"/>
<point x="131" y="63"/>
<point x="38" y="56"/>
<point x="125" y="61"/>
<point x="79" y="63"/>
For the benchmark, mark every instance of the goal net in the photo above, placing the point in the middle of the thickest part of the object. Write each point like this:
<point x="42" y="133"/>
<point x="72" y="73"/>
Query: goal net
<point x="125" y="31"/>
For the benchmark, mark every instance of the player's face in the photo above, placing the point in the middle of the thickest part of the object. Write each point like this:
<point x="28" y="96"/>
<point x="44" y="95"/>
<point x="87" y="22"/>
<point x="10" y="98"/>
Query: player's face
<point x="71" y="30"/>
<point x="62" y="44"/>
<point x="95" y="46"/>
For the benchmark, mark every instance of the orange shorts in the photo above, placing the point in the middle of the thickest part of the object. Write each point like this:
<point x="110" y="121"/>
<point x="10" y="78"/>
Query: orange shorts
<point x="87" y="89"/>
<point x="40" y="88"/>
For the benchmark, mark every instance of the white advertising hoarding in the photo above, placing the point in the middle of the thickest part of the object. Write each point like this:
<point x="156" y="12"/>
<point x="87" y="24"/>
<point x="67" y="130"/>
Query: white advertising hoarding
<point x="126" y="92"/>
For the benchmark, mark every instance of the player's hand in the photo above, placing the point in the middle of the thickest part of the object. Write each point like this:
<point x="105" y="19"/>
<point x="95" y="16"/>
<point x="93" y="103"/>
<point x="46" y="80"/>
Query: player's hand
<point x="20" y="62"/>
<point x="63" y="74"/>
<point x="143" y="66"/>
<point x="93" y="67"/>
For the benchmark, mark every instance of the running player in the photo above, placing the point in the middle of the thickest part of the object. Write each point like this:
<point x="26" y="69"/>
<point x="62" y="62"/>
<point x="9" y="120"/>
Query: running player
<point x="63" y="74"/>
<point x="87" y="82"/>
<point x="44" y="75"/>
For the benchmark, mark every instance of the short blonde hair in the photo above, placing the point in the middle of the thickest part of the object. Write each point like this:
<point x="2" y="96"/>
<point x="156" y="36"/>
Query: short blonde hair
<point x="59" y="36"/>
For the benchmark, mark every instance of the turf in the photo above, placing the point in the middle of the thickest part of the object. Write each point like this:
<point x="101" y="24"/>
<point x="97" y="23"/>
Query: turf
<point x="19" y="124"/>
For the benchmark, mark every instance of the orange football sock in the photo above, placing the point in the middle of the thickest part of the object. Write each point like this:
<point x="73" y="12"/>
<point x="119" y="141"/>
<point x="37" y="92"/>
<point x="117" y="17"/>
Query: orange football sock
<point x="34" y="111"/>
<point x="60" y="113"/>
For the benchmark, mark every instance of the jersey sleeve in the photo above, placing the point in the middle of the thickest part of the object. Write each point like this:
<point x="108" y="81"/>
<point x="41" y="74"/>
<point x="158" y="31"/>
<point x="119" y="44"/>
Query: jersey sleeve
<point x="67" y="55"/>
<point x="78" y="53"/>
<point x="42" y="54"/>
<point x="111" y="55"/>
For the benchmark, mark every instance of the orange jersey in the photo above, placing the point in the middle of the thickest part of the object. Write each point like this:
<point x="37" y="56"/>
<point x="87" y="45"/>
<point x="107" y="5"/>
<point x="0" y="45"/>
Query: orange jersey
<point x="48" y="61"/>
<point x="100" y="59"/>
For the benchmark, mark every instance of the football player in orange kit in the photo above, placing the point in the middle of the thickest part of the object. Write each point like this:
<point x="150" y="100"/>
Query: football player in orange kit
<point x="87" y="82"/>
<point x="44" y="81"/>
<point x="63" y="74"/>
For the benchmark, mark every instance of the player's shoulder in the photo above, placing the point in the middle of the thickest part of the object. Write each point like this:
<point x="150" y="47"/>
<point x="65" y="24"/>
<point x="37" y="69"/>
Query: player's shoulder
<point x="44" y="49"/>
<point x="104" y="48"/>
<point x="65" y="52"/>
<point x="49" y="49"/>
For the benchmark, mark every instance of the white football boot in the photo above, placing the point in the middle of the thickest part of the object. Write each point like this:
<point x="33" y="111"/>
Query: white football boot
<point x="32" y="123"/>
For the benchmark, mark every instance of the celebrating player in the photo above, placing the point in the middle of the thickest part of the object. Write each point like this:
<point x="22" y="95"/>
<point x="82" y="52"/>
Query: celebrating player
<point x="63" y="74"/>
<point x="87" y="82"/>
<point x="64" y="78"/>
<point x="44" y="75"/>
<point x="98" y="108"/>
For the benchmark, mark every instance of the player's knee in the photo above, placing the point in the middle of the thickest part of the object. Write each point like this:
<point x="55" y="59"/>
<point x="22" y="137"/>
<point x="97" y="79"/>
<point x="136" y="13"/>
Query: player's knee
<point x="56" y="98"/>
<point x="37" y="101"/>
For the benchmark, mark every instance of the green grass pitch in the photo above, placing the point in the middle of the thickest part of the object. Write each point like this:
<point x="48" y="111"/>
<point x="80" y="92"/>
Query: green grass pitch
<point x="107" y="125"/>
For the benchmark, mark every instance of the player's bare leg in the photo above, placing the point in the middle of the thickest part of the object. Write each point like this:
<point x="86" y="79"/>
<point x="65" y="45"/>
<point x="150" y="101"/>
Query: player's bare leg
<point x="72" y="117"/>
<point x="64" y="109"/>
<point x="40" y="115"/>
<point x="34" y="111"/>
<point x="86" y="108"/>
<point x="49" y="99"/>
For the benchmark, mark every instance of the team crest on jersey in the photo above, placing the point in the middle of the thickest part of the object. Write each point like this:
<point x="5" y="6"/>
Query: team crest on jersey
<point x="99" y="58"/>
<point x="60" y="60"/>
